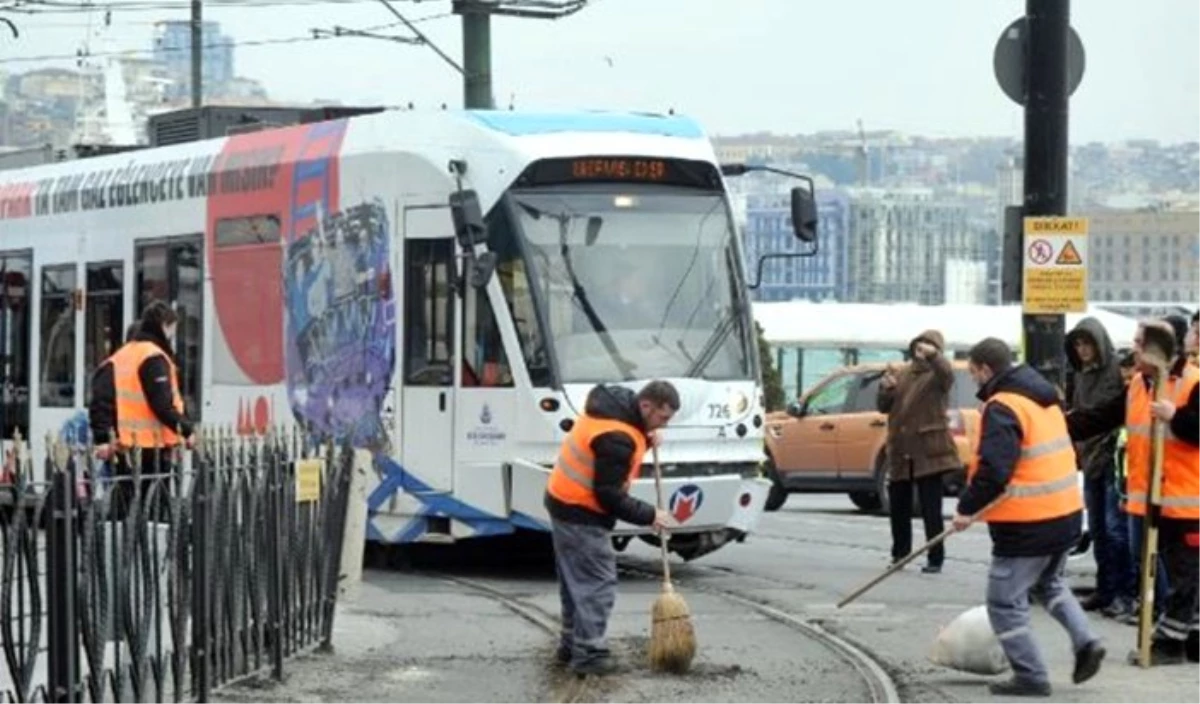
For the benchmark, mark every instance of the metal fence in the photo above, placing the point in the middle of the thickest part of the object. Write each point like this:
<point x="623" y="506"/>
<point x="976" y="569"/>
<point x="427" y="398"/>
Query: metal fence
<point x="161" y="575"/>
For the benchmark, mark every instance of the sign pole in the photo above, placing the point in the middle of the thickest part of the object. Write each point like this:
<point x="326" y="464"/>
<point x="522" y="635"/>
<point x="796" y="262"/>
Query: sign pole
<point x="1046" y="101"/>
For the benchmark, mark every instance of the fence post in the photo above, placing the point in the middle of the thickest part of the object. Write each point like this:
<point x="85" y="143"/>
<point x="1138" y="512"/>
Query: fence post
<point x="354" y="527"/>
<point x="200" y="575"/>
<point x="61" y="581"/>
<point x="277" y="455"/>
<point x="335" y="530"/>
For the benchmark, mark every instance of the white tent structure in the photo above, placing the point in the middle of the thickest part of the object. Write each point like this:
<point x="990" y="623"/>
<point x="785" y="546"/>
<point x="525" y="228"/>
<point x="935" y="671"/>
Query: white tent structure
<point x="803" y="324"/>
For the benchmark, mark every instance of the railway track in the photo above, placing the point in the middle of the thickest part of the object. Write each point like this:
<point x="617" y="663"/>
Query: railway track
<point x="877" y="681"/>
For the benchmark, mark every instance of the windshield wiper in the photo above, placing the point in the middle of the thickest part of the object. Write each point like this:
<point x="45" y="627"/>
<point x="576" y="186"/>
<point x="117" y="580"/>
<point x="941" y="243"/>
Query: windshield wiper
<point x="714" y="342"/>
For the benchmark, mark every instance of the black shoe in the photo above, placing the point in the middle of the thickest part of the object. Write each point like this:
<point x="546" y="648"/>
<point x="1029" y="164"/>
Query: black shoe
<point x="597" y="666"/>
<point x="932" y="569"/>
<point x="1193" y="647"/>
<point x="1095" y="602"/>
<point x="1019" y="688"/>
<point x="1087" y="662"/>
<point x="562" y="656"/>
<point x="1162" y="653"/>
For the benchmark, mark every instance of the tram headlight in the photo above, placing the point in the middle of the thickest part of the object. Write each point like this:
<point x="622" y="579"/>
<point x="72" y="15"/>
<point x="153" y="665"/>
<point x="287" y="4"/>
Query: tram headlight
<point x="739" y="403"/>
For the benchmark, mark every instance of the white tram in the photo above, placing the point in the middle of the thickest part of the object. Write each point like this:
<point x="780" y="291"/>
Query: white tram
<point x="440" y="288"/>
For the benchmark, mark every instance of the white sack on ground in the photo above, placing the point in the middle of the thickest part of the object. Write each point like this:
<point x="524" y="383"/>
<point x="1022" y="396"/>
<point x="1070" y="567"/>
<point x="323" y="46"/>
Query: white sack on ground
<point x="968" y="644"/>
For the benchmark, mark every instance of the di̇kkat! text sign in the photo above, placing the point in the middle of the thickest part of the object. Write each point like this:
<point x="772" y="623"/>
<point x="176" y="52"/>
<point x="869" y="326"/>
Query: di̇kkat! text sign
<point x="1055" y="271"/>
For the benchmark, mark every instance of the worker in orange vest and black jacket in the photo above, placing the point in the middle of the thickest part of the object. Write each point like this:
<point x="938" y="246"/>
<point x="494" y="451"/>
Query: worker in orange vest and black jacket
<point x="588" y="491"/>
<point x="1179" y="515"/>
<point x="149" y="407"/>
<point x="1025" y="459"/>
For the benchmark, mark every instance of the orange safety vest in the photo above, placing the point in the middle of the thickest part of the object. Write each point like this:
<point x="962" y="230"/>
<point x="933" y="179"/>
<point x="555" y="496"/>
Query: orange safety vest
<point x="137" y="426"/>
<point x="573" y="479"/>
<point x="1044" y="484"/>
<point x="1181" y="461"/>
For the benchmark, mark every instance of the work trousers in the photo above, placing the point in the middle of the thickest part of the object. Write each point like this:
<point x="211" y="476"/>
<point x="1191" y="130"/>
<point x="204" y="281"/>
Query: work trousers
<point x="1011" y="581"/>
<point x="1116" y="575"/>
<point x="1177" y="544"/>
<point x="900" y="494"/>
<point x="587" y="584"/>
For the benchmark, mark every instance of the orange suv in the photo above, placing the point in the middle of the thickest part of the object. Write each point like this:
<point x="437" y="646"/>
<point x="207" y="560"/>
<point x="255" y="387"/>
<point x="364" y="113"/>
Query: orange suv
<point x="833" y="440"/>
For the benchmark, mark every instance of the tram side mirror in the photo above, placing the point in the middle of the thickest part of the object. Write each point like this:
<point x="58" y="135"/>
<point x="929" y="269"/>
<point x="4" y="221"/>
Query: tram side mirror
<point x="804" y="214"/>
<point x="469" y="227"/>
<point x="483" y="266"/>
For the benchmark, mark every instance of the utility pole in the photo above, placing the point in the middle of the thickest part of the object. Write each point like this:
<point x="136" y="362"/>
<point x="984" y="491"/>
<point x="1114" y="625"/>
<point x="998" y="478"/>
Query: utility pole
<point x="477" y="58"/>
<point x="1046" y="101"/>
<point x="197" y="55"/>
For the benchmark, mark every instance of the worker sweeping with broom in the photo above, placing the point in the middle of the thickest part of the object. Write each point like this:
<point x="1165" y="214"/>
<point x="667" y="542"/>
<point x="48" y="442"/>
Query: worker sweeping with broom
<point x="1024" y="475"/>
<point x="588" y="491"/>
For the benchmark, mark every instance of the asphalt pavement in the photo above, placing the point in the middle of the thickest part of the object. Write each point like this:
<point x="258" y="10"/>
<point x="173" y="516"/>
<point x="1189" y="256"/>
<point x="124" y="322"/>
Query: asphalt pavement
<point x="441" y="626"/>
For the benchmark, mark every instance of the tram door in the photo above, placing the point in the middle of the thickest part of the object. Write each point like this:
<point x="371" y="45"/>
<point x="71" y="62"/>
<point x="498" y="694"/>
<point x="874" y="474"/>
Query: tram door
<point x="16" y="275"/>
<point x="430" y="347"/>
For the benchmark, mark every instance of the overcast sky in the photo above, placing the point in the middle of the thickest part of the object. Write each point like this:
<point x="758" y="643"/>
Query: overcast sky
<point x="921" y="66"/>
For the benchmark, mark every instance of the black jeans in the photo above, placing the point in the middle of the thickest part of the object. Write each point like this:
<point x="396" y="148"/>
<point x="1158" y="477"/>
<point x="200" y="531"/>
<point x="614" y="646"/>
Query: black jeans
<point x="1177" y="545"/>
<point x="930" y="490"/>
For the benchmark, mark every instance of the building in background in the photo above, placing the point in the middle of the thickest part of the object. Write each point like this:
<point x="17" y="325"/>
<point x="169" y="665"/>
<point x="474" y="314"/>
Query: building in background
<point x="172" y="49"/>
<point x="900" y="241"/>
<point x="768" y="229"/>
<point x="966" y="282"/>
<point x="1144" y="256"/>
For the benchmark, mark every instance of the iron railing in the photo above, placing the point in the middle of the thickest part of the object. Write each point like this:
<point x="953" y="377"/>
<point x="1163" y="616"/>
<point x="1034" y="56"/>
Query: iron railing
<point x="162" y="575"/>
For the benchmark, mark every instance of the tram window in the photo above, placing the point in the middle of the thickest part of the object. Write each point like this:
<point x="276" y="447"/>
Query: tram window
<point x="16" y="269"/>
<point x="485" y="362"/>
<point x="514" y="280"/>
<point x="172" y="271"/>
<point x="104" y="316"/>
<point x="58" y="337"/>
<point x="429" y="312"/>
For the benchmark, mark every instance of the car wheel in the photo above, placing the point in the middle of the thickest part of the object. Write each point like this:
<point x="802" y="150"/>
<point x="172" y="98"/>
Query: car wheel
<point x="778" y="495"/>
<point x="865" y="500"/>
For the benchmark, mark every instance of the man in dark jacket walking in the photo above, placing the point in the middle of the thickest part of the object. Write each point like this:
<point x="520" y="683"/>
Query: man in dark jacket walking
<point x="587" y="493"/>
<point x="920" y="449"/>
<point x="1097" y="378"/>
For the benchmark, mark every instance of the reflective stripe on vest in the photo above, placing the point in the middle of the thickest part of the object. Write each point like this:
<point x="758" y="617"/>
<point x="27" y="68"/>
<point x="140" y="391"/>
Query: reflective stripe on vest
<point x="573" y="479"/>
<point x="1180" y="481"/>
<point x="137" y="426"/>
<point x="1044" y="484"/>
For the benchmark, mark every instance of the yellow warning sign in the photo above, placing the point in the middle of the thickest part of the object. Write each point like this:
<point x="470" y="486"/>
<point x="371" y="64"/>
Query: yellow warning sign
<point x="308" y="480"/>
<point x="1055" y="275"/>
<point x="1069" y="256"/>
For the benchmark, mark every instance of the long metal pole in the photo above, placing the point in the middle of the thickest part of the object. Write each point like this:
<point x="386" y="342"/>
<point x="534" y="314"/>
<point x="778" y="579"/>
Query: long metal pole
<point x="1046" y="143"/>
<point x="197" y="55"/>
<point x="477" y="59"/>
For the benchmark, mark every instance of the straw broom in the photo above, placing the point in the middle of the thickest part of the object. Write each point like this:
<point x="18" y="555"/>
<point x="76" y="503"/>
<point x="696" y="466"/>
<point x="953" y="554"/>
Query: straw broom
<point x="672" y="637"/>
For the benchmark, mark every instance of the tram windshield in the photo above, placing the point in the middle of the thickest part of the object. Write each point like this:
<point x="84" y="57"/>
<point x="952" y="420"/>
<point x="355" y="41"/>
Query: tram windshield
<point x="636" y="281"/>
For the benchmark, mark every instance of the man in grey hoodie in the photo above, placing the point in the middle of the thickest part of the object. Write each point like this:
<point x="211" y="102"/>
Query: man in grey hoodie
<point x="1096" y="377"/>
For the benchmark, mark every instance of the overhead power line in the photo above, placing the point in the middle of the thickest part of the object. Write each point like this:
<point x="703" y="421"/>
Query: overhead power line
<point x="212" y="45"/>
<point x="50" y="7"/>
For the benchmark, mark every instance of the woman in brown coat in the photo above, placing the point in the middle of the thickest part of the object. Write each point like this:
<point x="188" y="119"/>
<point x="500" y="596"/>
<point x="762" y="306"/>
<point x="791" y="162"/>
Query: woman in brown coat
<point x="920" y="449"/>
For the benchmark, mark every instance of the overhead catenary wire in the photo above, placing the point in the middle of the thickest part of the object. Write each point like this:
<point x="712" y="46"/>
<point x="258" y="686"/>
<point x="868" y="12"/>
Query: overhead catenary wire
<point x="52" y="7"/>
<point x="211" y="45"/>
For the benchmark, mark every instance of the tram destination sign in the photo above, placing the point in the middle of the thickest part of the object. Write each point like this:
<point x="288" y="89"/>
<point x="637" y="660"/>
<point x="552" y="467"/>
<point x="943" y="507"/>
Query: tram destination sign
<point x="142" y="183"/>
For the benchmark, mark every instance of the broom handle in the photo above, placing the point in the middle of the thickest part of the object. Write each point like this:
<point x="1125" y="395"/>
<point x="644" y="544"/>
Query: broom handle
<point x="912" y="556"/>
<point x="1149" y="558"/>
<point x="665" y="535"/>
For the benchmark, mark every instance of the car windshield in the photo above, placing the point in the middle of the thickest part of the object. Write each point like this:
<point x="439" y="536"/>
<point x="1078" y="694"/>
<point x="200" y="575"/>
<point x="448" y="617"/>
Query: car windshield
<point x="637" y="283"/>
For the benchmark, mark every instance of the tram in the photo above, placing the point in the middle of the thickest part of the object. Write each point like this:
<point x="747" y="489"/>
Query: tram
<point x="439" y="288"/>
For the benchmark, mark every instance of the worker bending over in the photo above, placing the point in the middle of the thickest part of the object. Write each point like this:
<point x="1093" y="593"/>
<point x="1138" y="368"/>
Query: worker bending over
<point x="588" y="491"/>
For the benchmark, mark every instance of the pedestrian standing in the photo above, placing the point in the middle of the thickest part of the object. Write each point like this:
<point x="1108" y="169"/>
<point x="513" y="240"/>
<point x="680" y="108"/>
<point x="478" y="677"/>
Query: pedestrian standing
<point x="1096" y="378"/>
<point x="920" y="449"/>
<point x="1024" y="457"/>
<point x="1179" y="511"/>
<point x="587" y="493"/>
